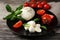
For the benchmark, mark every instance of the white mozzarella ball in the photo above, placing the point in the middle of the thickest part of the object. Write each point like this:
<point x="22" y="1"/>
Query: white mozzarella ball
<point x="27" y="13"/>
<point x="31" y="23"/>
<point x="26" y="28"/>
<point x="38" y="29"/>
<point x="31" y="29"/>
<point x="38" y="25"/>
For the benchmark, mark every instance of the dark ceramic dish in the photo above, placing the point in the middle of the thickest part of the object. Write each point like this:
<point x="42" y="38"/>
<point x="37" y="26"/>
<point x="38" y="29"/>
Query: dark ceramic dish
<point x="22" y="32"/>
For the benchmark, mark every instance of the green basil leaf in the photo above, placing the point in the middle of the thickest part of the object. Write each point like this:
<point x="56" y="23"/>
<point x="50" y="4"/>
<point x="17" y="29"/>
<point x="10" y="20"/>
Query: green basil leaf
<point x="36" y="19"/>
<point x="18" y="12"/>
<point x="20" y="7"/>
<point x="13" y="17"/>
<point x="44" y="27"/>
<point x="26" y="25"/>
<point x="15" y="14"/>
<point x="9" y="16"/>
<point x="8" y="8"/>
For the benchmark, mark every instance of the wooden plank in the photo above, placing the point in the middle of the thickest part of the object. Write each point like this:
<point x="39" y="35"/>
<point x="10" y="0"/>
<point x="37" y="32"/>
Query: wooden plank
<point x="56" y="37"/>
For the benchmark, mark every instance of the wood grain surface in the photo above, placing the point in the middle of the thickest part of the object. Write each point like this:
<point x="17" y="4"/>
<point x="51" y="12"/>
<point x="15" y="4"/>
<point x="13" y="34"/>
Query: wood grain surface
<point x="7" y="34"/>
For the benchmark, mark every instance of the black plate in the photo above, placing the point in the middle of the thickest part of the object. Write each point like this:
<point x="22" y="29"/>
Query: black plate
<point x="22" y="32"/>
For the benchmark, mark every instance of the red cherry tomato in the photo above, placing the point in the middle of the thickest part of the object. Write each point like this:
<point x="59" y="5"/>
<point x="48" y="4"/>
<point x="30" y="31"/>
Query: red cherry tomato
<point x="18" y="24"/>
<point x="32" y="0"/>
<point x="38" y="2"/>
<point x="41" y="12"/>
<point x="39" y="6"/>
<point x="51" y="16"/>
<point x="43" y="2"/>
<point x="33" y="5"/>
<point x="46" y="19"/>
<point x="26" y="4"/>
<point x="46" y="6"/>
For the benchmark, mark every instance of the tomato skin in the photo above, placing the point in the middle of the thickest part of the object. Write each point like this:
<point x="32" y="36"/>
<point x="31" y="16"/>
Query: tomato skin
<point x="26" y="4"/>
<point x="38" y="2"/>
<point x="41" y="12"/>
<point x="17" y="24"/>
<point x="46" y="6"/>
<point x="51" y="16"/>
<point x="33" y="4"/>
<point x="39" y="5"/>
<point x="32" y="0"/>
<point x="47" y="18"/>
<point x="43" y="2"/>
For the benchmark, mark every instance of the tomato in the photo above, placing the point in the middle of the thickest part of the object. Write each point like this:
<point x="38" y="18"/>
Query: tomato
<point x="39" y="5"/>
<point x="32" y="0"/>
<point x="44" y="20"/>
<point x="46" y="6"/>
<point x="33" y="5"/>
<point x="43" y="2"/>
<point x="41" y="12"/>
<point x="26" y="4"/>
<point x="17" y="24"/>
<point x="47" y="18"/>
<point x="51" y="16"/>
<point x="38" y="2"/>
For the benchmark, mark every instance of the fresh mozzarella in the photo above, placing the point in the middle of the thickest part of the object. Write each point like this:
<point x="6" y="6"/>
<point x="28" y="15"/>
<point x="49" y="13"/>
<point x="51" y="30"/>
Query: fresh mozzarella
<point x="38" y="25"/>
<point x="31" y="29"/>
<point x="26" y="28"/>
<point x="27" y="13"/>
<point x="37" y="28"/>
<point x="31" y="23"/>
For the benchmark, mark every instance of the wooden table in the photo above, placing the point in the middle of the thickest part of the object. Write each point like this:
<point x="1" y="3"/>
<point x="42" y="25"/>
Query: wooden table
<point x="7" y="34"/>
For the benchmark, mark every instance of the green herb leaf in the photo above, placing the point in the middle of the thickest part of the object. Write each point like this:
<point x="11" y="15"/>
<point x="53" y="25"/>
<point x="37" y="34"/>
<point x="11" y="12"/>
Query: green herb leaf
<point x="26" y="25"/>
<point x="36" y="19"/>
<point x="20" y="7"/>
<point x="9" y="16"/>
<point x="15" y="14"/>
<point x="8" y="8"/>
<point x="18" y="12"/>
<point x="13" y="17"/>
<point x="44" y="27"/>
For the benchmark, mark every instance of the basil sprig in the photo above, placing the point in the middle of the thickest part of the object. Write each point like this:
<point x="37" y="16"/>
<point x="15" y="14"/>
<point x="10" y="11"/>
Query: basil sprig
<point x="13" y="14"/>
